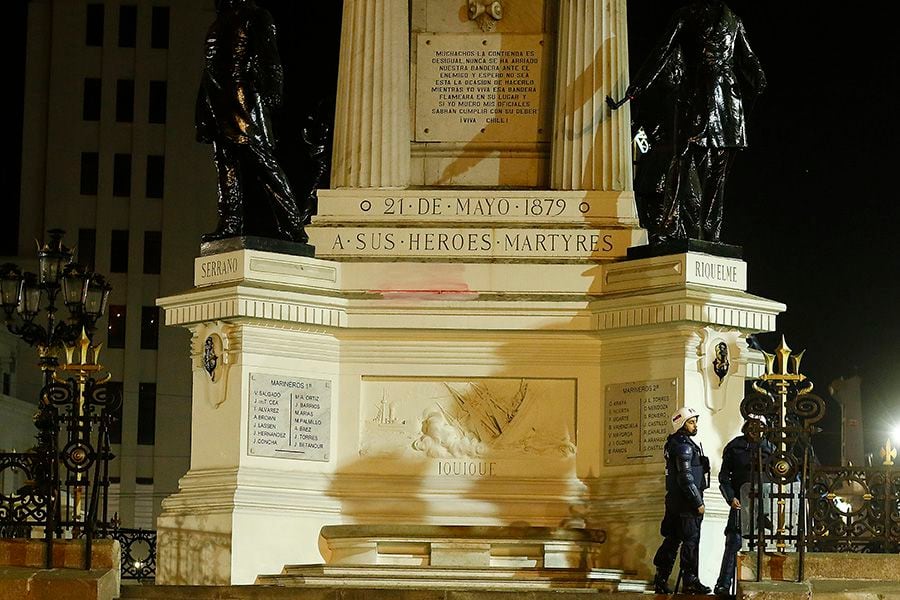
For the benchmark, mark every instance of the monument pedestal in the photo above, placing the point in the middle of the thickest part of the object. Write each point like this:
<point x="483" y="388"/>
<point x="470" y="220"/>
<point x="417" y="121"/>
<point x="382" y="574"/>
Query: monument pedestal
<point x="475" y="352"/>
<point x="480" y="394"/>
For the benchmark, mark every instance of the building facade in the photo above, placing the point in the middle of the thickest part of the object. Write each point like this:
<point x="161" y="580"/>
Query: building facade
<point x="109" y="156"/>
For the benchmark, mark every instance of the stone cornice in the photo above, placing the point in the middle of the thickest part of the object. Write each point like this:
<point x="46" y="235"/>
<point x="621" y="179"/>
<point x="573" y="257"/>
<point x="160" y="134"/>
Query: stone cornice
<point x="295" y="309"/>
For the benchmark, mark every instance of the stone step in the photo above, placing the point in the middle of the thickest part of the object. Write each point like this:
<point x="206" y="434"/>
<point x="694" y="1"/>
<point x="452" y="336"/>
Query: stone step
<point x="270" y="592"/>
<point x="821" y="589"/>
<point x="30" y="583"/>
<point x="825" y="566"/>
<point x="845" y="589"/>
<point x="474" y="578"/>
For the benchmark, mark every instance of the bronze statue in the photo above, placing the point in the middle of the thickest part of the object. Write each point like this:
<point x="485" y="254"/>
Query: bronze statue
<point x="655" y="115"/>
<point x="315" y="134"/>
<point x="721" y="79"/>
<point x="242" y="84"/>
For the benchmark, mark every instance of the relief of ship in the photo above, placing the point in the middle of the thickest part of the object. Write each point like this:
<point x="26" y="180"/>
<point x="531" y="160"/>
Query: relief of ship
<point x="386" y="416"/>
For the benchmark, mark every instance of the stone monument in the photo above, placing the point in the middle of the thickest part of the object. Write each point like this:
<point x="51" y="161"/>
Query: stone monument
<point x="469" y="372"/>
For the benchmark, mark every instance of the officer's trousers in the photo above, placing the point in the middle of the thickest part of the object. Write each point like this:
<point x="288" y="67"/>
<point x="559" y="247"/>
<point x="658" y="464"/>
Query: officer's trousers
<point x="679" y="529"/>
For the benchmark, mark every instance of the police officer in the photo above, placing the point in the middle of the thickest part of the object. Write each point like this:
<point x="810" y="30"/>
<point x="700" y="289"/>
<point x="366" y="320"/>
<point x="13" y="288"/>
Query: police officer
<point x="738" y="459"/>
<point x="687" y="473"/>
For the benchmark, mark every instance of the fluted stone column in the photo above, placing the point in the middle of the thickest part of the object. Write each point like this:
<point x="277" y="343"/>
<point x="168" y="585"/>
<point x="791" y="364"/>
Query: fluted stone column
<point x="371" y="130"/>
<point x="591" y="144"/>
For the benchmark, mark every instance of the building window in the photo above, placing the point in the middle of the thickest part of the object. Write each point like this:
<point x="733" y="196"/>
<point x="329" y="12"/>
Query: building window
<point x="122" y="175"/>
<point x="125" y="100"/>
<point x="159" y="27"/>
<point x="118" y="255"/>
<point x="87" y="248"/>
<point x="94" y="25"/>
<point x="127" y="26"/>
<point x="115" y="424"/>
<point x="7" y="384"/>
<point x="149" y="327"/>
<point x="156" y="112"/>
<point x="146" y="426"/>
<point x="90" y="109"/>
<point x="90" y="173"/>
<point x="115" y="330"/>
<point x="156" y="176"/>
<point x="152" y="252"/>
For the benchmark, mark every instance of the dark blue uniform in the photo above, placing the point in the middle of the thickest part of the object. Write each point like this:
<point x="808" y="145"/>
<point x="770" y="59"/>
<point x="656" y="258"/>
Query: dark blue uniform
<point x="738" y="459"/>
<point x="686" y="478"/>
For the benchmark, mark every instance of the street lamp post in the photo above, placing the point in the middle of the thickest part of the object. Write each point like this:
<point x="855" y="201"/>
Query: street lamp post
<point x="25" y="296"/>
<point x="31" y="303"/>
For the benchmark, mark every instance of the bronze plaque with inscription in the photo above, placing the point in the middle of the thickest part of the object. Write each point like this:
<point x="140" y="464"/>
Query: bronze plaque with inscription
<point x="480" y="88"/>
<point x="637" y="420"/>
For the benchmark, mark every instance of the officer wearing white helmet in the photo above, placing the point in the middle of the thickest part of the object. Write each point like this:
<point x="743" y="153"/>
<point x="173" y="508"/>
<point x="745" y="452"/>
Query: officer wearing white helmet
<point x="687" y="471"/>
<point x="738" y="459"/>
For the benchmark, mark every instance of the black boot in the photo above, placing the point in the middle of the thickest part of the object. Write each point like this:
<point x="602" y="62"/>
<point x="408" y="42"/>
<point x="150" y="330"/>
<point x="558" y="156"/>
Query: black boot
<point x="661" y="584"/>
<point x="722" y="591"/>
<point x="694" y="586"/>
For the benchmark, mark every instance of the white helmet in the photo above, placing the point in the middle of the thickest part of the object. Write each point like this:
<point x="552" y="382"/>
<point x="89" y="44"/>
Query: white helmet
<point x="759" y="418"/>
<point x="682" y="416"/>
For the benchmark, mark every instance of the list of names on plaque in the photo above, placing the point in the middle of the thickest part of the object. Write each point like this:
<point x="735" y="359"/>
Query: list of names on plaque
<point x="484" y="88"/>
<point x="289" y="417"/>
<point x="637" y="420"/>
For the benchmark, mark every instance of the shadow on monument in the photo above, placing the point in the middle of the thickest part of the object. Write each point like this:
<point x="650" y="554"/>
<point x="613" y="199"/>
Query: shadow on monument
<point x="497" y="427"/>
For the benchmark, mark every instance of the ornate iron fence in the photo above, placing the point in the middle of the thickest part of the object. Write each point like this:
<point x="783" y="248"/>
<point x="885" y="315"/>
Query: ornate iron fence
<point x="797" y="504"/>
<point x="23" y="502"/>
<point x="783" y="412"/>
<point x="60" y="489"/>
<point x="854" y="509"/>
<point x="138" y="552"/>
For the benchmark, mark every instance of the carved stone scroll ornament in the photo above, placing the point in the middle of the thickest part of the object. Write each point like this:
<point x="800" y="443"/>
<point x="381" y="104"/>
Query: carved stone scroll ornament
<point x="212" y="354"/>
<point x="720" y="363"/>
<point x="719" y="354"/>
<point x="486" y="13"/>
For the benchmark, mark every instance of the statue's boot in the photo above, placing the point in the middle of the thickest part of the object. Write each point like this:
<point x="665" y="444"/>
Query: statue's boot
<point x="302" y="237"/>
<point x="226" y="229"/>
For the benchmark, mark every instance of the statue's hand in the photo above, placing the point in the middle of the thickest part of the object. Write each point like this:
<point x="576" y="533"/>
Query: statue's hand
<point x="613" y="105"/>
<point x="630" y="93"/>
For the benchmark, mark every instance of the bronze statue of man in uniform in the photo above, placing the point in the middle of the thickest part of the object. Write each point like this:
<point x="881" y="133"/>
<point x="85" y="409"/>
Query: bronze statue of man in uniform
<point x="241" y="86"/>
<point x="721" y="79"/>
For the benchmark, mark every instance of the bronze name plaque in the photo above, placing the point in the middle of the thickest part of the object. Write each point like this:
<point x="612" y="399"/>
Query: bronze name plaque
<point x="480" y="88"/>
<point x="289" y="417"/>
<point x="637" y="420"/>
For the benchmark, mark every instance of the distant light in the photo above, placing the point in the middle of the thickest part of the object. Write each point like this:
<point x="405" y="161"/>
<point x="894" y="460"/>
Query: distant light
<point x="895" y="434"/>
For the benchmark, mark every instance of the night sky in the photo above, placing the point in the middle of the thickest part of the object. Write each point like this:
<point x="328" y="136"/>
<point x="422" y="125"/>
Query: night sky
<point x="812" y="200"/>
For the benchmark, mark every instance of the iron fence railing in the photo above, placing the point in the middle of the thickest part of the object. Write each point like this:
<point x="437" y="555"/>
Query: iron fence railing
<point x="138" y="551"/>
<point x="59" y="489"/>
<point x="23" y="502"/>
<point x="854" y="509"/>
